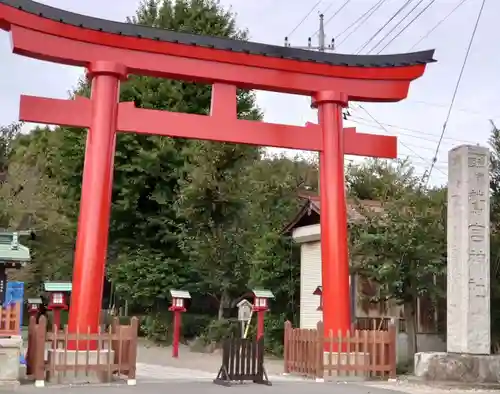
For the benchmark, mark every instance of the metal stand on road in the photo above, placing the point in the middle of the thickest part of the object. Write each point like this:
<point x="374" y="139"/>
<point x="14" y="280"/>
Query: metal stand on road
<point x="242" y="360"/>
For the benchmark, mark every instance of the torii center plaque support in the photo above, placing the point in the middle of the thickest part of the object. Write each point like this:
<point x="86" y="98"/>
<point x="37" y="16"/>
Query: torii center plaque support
<point x="110" y="51"/>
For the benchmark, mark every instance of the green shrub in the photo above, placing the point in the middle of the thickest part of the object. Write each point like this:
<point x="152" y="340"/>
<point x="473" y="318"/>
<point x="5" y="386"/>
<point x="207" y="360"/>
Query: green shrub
<point x="219" y="330"/>
<point x="157" y="328"/>
<point x="194" y="325"/>
<point x="122" y="320"/>
<point x="274" y="332"/>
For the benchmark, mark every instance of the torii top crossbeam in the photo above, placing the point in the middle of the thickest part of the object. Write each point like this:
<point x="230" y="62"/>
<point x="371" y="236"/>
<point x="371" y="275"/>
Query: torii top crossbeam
<point x="112" y="50"/>
<point x="170" y="54"/>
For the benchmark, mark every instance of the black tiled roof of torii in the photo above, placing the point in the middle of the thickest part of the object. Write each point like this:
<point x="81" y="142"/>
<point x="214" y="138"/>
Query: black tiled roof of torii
<point x="145" y="32"/>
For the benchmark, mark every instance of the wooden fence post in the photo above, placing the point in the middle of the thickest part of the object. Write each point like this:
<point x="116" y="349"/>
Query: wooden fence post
<point x="17" y="319"/>
<point x="31" y="344"/>
<point x="40" y="334"/>
<point x="132" y="351"/>
<point x="392" y="333"/>
<point x="286" y="346"/>
<point x="320" y="351"/>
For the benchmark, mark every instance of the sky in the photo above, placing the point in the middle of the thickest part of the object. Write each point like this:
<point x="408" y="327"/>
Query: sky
<point x="417" y="121"/>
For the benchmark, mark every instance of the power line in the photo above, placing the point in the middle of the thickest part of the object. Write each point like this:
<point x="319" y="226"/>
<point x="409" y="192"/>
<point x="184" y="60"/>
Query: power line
<point x="337" y="12"/>
<point x="367" y="122"/>
<point x="464" y="110"/>
<point x="395" y="26"/>
<point x="438" y="24"/>
<point x="358" y="19"/>
<point x="304" y="18"/>
<point x="407" y="25"/>
<point x="367" y="15"/>
<point x="383" y="27"/>
<point x="387" y="131"/>
<point x="456" y="87"/>
<point x="327" y="8"/>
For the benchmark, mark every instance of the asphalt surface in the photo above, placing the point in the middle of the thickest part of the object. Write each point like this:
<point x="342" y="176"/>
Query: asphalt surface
<point x="206" y="387"/>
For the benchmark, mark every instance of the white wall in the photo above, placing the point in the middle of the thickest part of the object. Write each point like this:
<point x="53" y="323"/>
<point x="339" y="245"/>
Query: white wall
<point x="310" y="279"/>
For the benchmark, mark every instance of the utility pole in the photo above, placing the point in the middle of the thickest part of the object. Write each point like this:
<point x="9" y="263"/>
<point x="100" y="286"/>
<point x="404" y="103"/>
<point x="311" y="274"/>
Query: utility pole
<point x="321" y="47"/>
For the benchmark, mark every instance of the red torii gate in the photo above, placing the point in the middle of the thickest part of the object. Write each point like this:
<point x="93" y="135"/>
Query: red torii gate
<point x="111" y="50"/>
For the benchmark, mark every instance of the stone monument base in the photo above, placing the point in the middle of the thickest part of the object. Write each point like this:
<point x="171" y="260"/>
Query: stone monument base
<point x="10" y="353"/>
<point x="457" y="367"/>
<point x="79" y="359"/>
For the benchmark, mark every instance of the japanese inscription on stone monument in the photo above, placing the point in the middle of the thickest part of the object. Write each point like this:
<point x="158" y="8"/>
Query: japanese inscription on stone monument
<point x="468" y="313"/>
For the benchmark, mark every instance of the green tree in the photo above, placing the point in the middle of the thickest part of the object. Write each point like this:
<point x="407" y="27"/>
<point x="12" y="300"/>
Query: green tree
<point x="276" y="184"/>
<point x="273" y="258"/>
<point x="375" y="179"/>
<point x="29" y="200"/>
<point x="402" y="246"/>
<point x="144" y="223"/>
<point x="212" y="204"/>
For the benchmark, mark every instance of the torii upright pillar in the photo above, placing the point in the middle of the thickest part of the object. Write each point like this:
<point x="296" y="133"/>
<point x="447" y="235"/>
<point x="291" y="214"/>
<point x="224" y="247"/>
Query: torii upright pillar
<point x="333" y="221"/>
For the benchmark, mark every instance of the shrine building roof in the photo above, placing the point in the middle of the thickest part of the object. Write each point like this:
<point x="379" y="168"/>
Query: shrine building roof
<point x="310" y="212"/>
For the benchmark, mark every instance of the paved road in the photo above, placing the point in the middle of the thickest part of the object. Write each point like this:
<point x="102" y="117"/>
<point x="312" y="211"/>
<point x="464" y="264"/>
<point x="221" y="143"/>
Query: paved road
<point x="209" y="362"/>
<point x="205" y="387"/>
<point x="152" y="373"/>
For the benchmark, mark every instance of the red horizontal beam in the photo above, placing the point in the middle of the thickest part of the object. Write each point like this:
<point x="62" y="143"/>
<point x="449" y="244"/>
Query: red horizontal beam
<point x="75" y="53"/>
<point x="364" y="144"/>
<point x="77" y="113"/>
<point x="10" y="16"/>
<point x="72" y="113"/>
<point x="213" y="128"/>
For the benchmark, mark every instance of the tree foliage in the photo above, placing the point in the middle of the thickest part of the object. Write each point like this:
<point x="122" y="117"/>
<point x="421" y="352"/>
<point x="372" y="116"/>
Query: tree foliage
<point x="401" y="246"/>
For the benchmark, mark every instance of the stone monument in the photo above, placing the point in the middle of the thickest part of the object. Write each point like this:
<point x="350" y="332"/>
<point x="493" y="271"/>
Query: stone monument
<point x="468" y="282"/>
<point x="468" y="267"/>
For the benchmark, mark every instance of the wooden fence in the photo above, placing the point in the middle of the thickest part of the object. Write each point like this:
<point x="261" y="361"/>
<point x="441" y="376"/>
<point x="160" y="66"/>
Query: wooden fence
<point x="101" y="356"/>
<point x="10" y="319"/>
<point x="361" y="353"/>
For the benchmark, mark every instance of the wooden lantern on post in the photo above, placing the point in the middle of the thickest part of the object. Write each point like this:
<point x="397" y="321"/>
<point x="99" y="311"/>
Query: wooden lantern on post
<point x="178" y="306"/>
<point x="261" y="305"/>
<point x="319" y="292"/>
<point x="58" y="299"/>
<point x="34" y="305"/>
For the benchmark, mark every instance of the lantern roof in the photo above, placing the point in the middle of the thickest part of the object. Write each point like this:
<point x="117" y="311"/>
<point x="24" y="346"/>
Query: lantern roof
<point x="180" y="294"/>
<point x="34" y="300"/>
<point x="58" y="286"/>
<point x="262" y="293"/>
<point x="244" y="302"/>
<point x="11" y="251"/>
